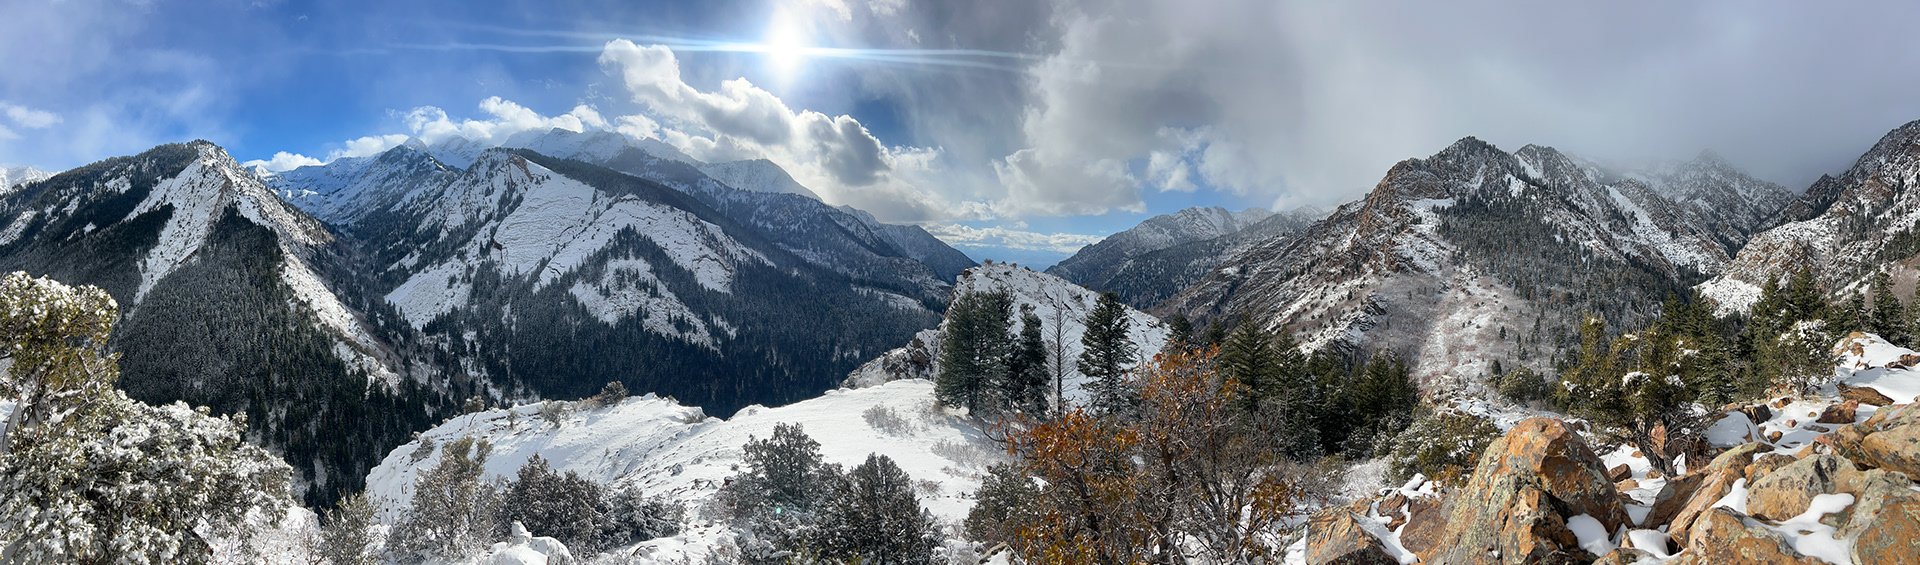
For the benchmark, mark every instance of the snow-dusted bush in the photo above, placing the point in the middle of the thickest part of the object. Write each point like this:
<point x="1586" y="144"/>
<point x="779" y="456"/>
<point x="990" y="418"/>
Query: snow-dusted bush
<point x="555" y="412"/>
<point x="1008" y="500"/>
<point x="631" y="516"/>
<point x="886" y="420"/>
<point x="1442" y="445"/>
<point x="564" y="507"/>
<point x="89" y="475"/>
<point x="453" y="514"/>
<point x="1523" y="385"/>
<point x="348" y="536"/>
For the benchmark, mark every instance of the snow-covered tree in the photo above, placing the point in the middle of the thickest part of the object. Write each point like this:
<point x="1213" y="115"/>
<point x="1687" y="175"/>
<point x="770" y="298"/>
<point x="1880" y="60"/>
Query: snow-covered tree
<point x="564" y="507"/>
<point x="1106" y="354"/>
<point x="632" y="516"/>
<point x="873" y="517"/>
<point x="453" y="514"/>
<point x="88" y="475"/>
<point x="348" y="537"/>
<point x="973" y="355"/>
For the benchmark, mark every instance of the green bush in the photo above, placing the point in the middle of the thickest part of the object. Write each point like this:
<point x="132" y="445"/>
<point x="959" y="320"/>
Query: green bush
<point x="1444" y="446"/>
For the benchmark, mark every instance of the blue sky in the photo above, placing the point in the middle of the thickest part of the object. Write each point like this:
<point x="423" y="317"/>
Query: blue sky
<point x="1016" y="129"/>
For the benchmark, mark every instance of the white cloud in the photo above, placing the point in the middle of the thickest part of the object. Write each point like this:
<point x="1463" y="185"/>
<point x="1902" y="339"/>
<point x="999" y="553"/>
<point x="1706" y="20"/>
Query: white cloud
<point x="835" y="156"/>
<point x="368" y="146"/>
<point x="30" y="118"/>
<point x="1001" y="237"/>
<point x="282" y="162"/>
<point x="432" y="124"/>
<point x="7" y="133"/>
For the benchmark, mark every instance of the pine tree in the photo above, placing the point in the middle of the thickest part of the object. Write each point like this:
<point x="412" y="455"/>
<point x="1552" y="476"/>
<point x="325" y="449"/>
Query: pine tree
<point x="1216" y="333"/>
<point x="1248" y="357"/>
<point x="973" y="356"/>
<point x="1889" y="316"/>
<point x="348" y="538"/>
<point x="873" y="517"/>
<point x="1024" y="387"/>
<point x="564" y="507"/>
<point x="453" y="514"/>
<point x="1106" y="354"/>
<point x="1180" y="332"/>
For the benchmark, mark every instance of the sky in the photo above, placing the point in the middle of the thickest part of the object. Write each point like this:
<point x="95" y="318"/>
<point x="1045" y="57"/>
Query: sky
<point x="1014" y="129"/>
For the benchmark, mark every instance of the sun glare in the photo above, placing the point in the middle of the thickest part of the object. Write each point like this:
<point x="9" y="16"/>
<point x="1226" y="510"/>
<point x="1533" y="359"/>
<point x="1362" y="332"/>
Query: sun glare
<point x="785" y="47"/>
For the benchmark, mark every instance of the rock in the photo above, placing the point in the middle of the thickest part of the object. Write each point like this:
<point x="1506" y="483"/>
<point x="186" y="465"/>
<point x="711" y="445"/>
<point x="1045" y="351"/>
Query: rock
<point x="1623" y="556"/>
<point x="1841" y="413"/>
<point x="1336" y="537"/>
<point x="1619" y="472"/>
<point x="1781" y="402"/>
<point x="1773" y="436"/>
<point x="1725" y="537"/>
<point x="1786" y="492"/>
<point x="1716" y="481"/>
<point x="1766" y="464"/>
<point x="1514" y="507"/>
<point x="1672" y="498"/>
<point x="1888" y="536"/>
<point x="1888" y="440"/>
<point x="1793" y="423"/>
<point x="1627" y="484"/>
<point x="1865" y="395"/>
<point x="1873" y="491"/>
<point x="1906" y="362"/>
<point x="1756" y="413"/>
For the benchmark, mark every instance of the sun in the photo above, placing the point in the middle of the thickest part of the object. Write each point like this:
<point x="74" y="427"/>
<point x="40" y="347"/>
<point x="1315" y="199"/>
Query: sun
<point x="785" y="46"/>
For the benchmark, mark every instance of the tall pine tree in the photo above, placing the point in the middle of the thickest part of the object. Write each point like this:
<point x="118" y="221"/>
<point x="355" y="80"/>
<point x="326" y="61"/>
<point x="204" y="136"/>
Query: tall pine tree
<point x="973" y="357"/>
<point x="1889" y="316"/>
<point x="1106" y="354"/>
<point x="1024" y="388"/>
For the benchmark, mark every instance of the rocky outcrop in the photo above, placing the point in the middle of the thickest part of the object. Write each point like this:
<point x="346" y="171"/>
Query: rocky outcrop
<point x="1786" y="492"/>
<point x="1514" y="508"/>
<point x="1725" y="537"/>
<point x="1888" y="440"/>
<point x="1337" y="537"/>
<point x="1864" y="395"/>
<point x="1714" y="483"/>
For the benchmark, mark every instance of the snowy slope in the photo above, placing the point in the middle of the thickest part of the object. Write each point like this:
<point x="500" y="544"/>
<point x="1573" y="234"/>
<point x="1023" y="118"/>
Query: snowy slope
<point x="758" y="175"/>
<point x="1155" y="233"/>
<point x="673" y="450"/>
<point x="347" y="189"/>
<point x="1051" y="297"/>
<point x="11" y="177"/>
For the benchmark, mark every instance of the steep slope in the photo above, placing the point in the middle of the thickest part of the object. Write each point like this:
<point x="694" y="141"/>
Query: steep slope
<point x="1843" y="228"/>
<point x="13" y="177"/>
<point x="347" y="189"/>
<point x="758" y="175"/>
<point x="1091" y="264"/>
<point x="1145" y="279"/>
<point x="1711" y="193"/>
<point x="1057" y="303"/>
<point x="521" y="262"/>
<point x="230" y="299"/>
<point x="1470" y="255"/>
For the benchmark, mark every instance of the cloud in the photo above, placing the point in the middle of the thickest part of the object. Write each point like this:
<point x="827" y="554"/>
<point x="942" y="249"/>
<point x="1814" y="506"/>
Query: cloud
<point x="836" y="156"/>
<point x="282" y="162"/>
<point x="30" y="118"/>
<point x="432" y="125"/>
<point x="1004" y="238"/>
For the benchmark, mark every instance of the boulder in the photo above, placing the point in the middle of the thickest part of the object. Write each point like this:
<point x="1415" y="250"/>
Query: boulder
<point x="1888" y="537"/>
<point x="1726" y="537"/>
<point x="1623" y="556"/>
<point x="1756" y="413"/>
<point x="1336" y="537"/>
<point x="1889" y="440"/>
<point x="1786" y="492"/>
<point x="1715" y="482"/>
<point x="1619" y="472"/>
<point x="1766" y="464"/>
<point x="1514" y="507"/>
<point x="1864" y="395"/>
<point x="1841" y="413"/>
<point x="1673" y="496"/>
<point x="1873" y="491"/>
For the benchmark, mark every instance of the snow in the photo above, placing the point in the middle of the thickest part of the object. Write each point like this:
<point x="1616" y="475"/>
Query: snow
<point x="1812" y="538"/>
<point x="1736" y="498"/>
<point x="629" y="289"/>
<point x="1376" y="526"/>
<point x="1650" y="541"/>
<point x="756" y="175"/>
<point x="1733" y="430"/>
<point x="669" y="449"/>
<point x="1592" y="534"/>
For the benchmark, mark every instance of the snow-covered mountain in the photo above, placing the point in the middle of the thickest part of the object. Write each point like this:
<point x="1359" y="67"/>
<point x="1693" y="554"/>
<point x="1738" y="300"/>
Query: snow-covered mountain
<point x="1844" y="228"/>
<point x="1713" y="194"/>
<point x="229" y="298"/>
<point x="1470" y="255"/>
<point x="349" y="188"/>
<point x="513" y="263"/>
<point x="13" y="177"/>
<point x="1053" y="299"/>
<point x="1166" y="254"/>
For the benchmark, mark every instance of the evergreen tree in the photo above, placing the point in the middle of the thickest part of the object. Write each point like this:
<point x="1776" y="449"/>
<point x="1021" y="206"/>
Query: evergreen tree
<point x="1851" y="315"/>
<point x="453" y="514"/>
<point x="1106" y="354"/>
<point x="88" y="475"/>
<point x="1024" y="387"/>
<point x="1180" y="332"/>
<point x="1216" y="333"/>
<point x="564" y="507"/>
<point x="347" y="538"/>
<point x="1248" y="357"/>
<point x="974" y="354"/>
<point x="873" y="517"/>
<point x="1889" y="316"/>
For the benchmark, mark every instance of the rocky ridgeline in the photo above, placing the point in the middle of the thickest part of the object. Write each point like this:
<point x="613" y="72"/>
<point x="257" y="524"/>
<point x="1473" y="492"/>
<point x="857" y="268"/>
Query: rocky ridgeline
<point x="1836" y="487"/>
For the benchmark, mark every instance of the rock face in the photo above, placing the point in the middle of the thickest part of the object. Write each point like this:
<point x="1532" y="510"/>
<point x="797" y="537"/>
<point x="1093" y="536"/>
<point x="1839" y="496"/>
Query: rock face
<point x="1865" y="395"/>
<point x="1514" y="508"/>
<point x="1725" y="537"/>
<point x="1336" y="537"/>
<point x="1714" y="483"/>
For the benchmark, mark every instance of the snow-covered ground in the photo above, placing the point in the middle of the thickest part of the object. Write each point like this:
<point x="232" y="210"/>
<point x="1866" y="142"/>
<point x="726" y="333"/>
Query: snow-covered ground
<point x="669" y="449"/>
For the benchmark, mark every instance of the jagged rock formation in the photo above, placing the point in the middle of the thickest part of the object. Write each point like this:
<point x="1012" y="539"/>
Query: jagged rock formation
<point x="13" y="177"/>
<point x="1516" y="506"/>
